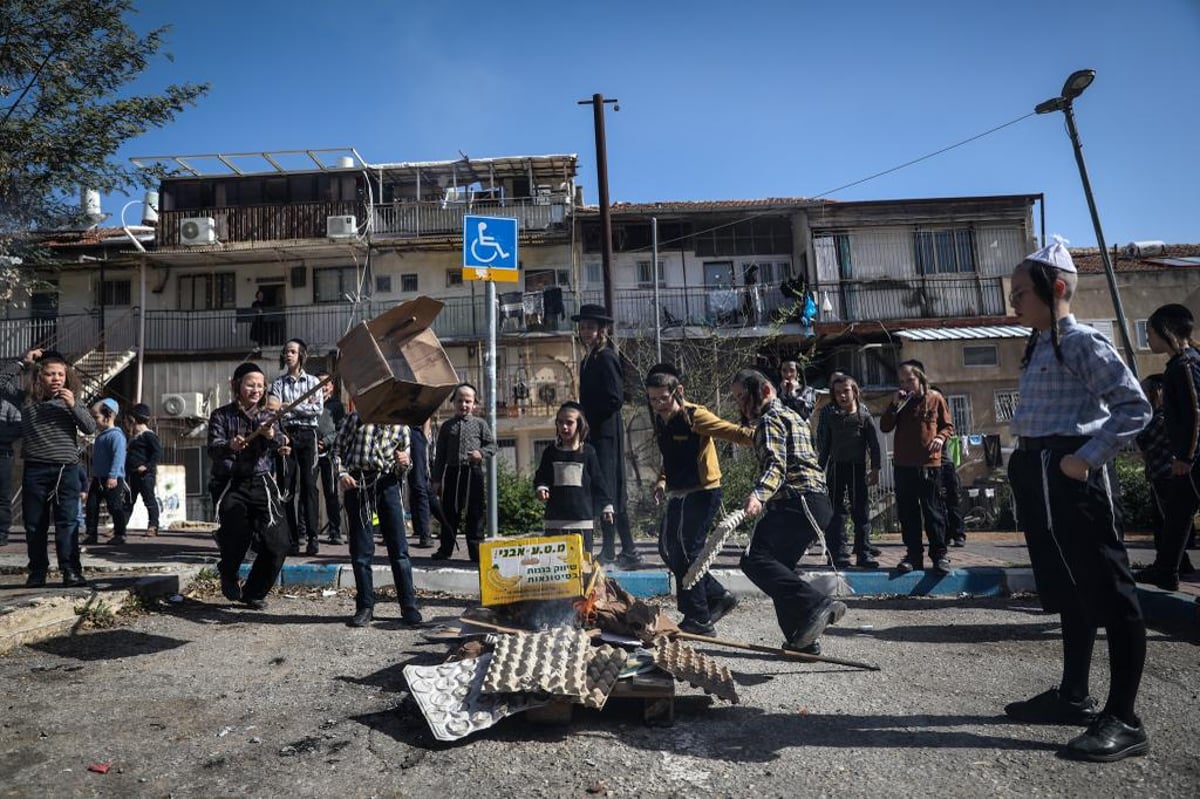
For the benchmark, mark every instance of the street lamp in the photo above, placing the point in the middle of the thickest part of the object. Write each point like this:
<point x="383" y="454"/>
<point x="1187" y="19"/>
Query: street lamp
<point x="1074" y="86"/>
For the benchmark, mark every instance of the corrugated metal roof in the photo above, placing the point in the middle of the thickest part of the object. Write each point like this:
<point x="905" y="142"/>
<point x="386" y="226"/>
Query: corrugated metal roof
<point x="963" y="333"/>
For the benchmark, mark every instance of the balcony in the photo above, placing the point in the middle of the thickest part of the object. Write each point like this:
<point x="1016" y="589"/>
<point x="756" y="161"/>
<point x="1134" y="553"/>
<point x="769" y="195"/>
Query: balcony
<point x="414" y="219"/>
<point x="464" y="318"/>
<point x="259" y="222"/>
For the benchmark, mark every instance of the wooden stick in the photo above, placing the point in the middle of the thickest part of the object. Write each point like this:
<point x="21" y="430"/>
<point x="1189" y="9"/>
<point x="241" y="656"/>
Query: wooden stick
<point x="489" y="626"/>
<point x="770" y="650"/>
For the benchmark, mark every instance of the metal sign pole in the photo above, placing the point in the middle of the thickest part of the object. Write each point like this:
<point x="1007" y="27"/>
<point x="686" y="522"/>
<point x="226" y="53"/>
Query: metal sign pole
<point x="493" y="485"/>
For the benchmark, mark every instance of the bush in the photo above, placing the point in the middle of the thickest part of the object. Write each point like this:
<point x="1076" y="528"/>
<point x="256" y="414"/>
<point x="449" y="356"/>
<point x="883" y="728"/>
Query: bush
<point x="1141" y="514"/>
<point x="518" y="509"/>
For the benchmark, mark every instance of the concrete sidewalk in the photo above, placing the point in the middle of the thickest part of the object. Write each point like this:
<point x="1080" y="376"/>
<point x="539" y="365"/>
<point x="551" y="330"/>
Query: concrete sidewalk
<point x="991" y="564"/>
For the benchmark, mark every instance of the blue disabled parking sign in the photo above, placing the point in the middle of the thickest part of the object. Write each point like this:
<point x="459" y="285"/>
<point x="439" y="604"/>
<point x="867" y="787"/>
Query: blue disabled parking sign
<point x="490" y="248"/>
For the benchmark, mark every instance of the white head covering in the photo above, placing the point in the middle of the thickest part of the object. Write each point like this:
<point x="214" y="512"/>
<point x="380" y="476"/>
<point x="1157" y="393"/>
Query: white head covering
<point x="1055" y="254"/>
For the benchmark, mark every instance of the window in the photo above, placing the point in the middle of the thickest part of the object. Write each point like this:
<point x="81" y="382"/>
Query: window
<point x="207" y="292"/>
<point x="330" y="283"/>
<point x="506" y="452"/>
<point x="833" y="257"/>
<point x="114" y="292"/>
<point x="980" y="355"/>
<point x="748" y="237"/>
<point x="1143" y="338"/>
<point x="453" y="278"/>
<point x="960" y="413"/>
<point x="383" y="284"/>
<point x="594" y="274"/>
<point x="1006" y="403"/>
<point x="941" y="252"/>
<point x="645" y="275"/>
<point x="408" y="282"/>
<point x="1103" y="326"/>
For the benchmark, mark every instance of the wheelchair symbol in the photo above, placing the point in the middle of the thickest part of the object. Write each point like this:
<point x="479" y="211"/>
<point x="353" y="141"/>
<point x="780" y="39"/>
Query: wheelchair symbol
<point x="486" y="242"/>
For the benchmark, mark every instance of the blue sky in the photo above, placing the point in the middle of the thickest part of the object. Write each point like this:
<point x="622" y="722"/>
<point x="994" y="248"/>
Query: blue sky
<point x="718" y="100"/>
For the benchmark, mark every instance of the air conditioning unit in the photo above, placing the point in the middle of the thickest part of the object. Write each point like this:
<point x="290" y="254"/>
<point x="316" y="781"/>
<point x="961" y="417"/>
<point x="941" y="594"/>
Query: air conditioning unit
<point x="341" y="227"/>
<point x="198" y="230"/>
<point x="190" y="405"/>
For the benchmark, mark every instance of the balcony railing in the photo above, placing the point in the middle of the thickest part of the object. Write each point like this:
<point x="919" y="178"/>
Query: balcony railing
<point x="411" y="219"/>
<point x="465" y="317"/>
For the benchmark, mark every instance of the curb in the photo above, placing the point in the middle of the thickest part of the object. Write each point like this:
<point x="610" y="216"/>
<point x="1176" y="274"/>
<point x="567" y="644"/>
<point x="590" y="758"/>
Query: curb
<point x="48" y="615"/>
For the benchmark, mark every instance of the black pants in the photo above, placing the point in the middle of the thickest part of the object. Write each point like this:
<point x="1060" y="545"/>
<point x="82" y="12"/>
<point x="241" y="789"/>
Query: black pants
<point x="333" y="503"/>
<point x="51" y="490"/>
<point x="302" y="475"/>
<point x="249" y="511"/>
<point x="681" y="540"/>
<point x="1178" y="499"/>
<point x="421" y="502"/>
<point x="778" y="541"/>
<point x="1082" y="570"/>
<point x="462" y="496"/>
<point x="143" y="485"/>
<point x="6" y="493"/>
<point x="919" y="501"/>
<point x="847" y="482"/>
<point x="114" y="499"/>
<point x="952" y="499"/>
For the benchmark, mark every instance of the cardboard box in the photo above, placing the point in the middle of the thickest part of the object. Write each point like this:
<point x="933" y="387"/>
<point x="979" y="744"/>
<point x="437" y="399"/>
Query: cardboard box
<point x="394" y="367"/>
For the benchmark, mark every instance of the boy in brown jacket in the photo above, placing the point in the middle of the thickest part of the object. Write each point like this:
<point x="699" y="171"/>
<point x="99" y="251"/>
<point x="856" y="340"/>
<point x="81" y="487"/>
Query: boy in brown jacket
<point x="921" y="418"/>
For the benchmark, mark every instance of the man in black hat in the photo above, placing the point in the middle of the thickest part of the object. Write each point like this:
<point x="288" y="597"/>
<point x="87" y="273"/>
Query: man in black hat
<point x="601" y="394"/>
<point x="141" y="466"/>
<point x="300" y="424"/>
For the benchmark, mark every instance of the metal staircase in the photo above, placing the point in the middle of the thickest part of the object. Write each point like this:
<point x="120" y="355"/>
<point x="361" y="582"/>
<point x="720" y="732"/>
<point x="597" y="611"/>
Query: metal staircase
<point x="97" y="367"/>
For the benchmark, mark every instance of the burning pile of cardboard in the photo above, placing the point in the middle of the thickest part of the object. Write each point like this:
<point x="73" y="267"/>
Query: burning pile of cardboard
<point x="512" y="670"/>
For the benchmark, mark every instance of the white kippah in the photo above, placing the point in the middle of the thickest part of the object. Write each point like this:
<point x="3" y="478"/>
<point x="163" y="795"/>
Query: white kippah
<point x="1055" y="254"/>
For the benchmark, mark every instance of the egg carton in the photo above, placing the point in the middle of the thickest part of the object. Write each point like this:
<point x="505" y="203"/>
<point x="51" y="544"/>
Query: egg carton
<point x="553" y="662"/>
<point x="452" y="702"/>
<point x="603" y="669"/>
<point x="712" y="547"/>
<point x="695" y="668"/>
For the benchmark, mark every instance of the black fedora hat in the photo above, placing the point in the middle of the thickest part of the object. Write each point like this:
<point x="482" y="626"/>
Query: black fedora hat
<point x="597" y="313"/>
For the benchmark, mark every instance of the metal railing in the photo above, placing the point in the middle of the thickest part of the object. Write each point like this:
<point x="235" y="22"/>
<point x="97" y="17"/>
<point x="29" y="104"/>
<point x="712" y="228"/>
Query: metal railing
<point x="465" y="318"/>
<point x="437" y="218"/>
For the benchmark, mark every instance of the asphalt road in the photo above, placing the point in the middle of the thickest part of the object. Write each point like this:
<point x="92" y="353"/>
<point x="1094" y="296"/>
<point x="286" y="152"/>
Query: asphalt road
<point x="200" y="699"/>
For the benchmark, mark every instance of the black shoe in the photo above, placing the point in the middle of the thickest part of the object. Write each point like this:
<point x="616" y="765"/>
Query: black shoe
<point x="940" y="565"/>
<point x="334" y="540"/>
<point x="294" y="549"/>
<point x="629" y="560"/>
<point x="255" y="604"/>
<point x="412" y="617"/>
<point x="829" y="611"/>
<point x="812" y="649"/>
<point x="694" y="627"/>
<point x="230" y="588"/>
<point x="361" y="618"/>
<point x="313" y="547"/>
<point x="876" y="551"/>
<point x="606" y="557"/>
<point x="423" y="543"/>
<point x="35" y="581"/>
<point x="441" y="554"/>
<point x="91" y="540"/>
<point x="1050" y="707"/>
<point x="866" y="562"/>
<point x="73" y="580"/>
<point x="906" y="565"/>
<point x="721" y="606"/>
<point x="958" y="541"/>
<point x="1108" y="739"/>
<point x="116" y="541"/>
<point x="1152" y="575"/>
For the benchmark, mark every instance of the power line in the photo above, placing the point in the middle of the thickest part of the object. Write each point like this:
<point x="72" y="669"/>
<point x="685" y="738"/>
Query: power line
<point x="855" y="183"/>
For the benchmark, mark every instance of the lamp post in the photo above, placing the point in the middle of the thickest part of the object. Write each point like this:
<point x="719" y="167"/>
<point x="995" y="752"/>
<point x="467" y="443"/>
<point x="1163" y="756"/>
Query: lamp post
<point x="1075" y="84"/>
<point x="597" y="103"/>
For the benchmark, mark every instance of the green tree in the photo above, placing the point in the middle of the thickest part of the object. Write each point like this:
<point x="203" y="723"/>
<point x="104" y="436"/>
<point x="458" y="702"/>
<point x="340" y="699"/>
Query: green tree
<point x="64" y="113"/>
